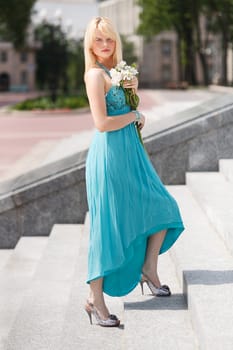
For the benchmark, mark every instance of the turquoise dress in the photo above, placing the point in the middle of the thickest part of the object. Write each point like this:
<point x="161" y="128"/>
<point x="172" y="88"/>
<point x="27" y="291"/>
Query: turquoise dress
<point x="127" y="203"/>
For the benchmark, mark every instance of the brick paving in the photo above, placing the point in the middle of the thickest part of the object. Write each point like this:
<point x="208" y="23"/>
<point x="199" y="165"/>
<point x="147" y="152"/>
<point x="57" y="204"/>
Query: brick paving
<point x="20" y="132"/>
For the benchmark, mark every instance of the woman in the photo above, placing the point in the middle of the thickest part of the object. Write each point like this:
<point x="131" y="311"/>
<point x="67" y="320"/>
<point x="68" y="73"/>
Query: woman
<point x="132" y="216"/>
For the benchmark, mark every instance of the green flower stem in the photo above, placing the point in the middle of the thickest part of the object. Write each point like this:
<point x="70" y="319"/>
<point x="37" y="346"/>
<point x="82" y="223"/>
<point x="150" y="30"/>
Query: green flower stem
<point x="139" y="134"/>
<point x="132" y="100"/>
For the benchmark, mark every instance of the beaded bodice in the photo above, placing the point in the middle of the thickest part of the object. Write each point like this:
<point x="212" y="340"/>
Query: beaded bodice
<point x="115" y="98"/>
<point x="115" y="101"/>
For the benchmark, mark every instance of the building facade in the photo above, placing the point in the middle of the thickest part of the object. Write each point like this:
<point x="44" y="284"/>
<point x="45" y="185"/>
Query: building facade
<point x="17" y="68"/>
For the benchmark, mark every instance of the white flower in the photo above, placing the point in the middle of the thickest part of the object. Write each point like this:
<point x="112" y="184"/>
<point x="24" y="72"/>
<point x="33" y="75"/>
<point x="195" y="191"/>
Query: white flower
<point x="116" y="77"/>
<point x="121" y="65"/>
<point x="122" y="72"/>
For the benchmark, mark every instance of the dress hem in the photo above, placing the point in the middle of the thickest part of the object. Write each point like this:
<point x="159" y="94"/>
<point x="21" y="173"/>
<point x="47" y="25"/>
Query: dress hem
<point x="175" y="225"/>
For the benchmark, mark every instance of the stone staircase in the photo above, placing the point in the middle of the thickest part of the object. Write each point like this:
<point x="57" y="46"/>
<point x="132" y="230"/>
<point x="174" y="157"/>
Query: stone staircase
<point x="42" y="284"/>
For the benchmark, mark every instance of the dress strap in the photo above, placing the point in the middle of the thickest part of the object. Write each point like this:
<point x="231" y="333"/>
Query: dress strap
<point x="104" y="68"/>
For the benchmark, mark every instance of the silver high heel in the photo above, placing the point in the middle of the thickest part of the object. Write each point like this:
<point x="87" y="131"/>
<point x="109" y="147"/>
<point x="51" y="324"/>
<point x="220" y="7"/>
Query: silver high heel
<point x="111" y="321"/>
<point x="163" y="291"/>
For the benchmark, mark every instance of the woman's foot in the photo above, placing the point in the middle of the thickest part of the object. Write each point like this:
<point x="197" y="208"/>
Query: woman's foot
<point x="109" y="321"/>
<point x="154" y="285"/>
<point x="152" y="276"/>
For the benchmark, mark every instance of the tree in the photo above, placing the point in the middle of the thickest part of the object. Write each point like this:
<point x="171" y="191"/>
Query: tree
<point x="159" y="15"/>
<point x="128" y="50"/>
<point x="76" y="65"/>
<point x="220" y="20"/>
<point x="52" y="58"/>
<point x="185" y="18"/>
<point x="15" y="18"/>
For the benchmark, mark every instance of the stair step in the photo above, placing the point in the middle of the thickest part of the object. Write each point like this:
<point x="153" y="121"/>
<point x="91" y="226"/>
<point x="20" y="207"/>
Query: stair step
<point x="215" y="196"/>
<point x="77" y="332"/>
<point x="159" y="323"/>
<point x="206" y="268"/>
<point x="15" y="277"/>
<point x="226" y="168"/>
<point x="39" y="320"/>
<point x="5" y="255"/>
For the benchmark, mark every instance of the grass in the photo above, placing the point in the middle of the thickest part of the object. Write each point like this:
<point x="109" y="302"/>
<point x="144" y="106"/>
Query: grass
<point x="45" y="103"/>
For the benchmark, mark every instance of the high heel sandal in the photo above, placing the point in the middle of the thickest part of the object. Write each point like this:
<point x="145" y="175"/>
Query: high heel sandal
<point x="111" y="321"/>
<point x="163" y="291"/>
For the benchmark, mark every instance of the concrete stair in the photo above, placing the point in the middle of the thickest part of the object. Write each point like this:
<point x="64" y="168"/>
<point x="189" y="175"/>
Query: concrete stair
<point x="39" y="319"/>
<point x="48" y="313"/>
<point x="15" y="276"/>
<point x="214" y="194"/>
<point x="205" y="266"/>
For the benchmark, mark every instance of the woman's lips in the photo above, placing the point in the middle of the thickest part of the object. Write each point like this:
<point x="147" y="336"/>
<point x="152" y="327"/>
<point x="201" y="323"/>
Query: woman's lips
<point x="105" y="50"/>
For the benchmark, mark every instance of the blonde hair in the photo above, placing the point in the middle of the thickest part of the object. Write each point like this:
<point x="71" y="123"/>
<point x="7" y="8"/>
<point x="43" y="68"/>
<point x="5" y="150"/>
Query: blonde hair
<point x="107" y="28"/>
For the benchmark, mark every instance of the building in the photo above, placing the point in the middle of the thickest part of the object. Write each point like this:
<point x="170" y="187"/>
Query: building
<point x="17" y="69"/>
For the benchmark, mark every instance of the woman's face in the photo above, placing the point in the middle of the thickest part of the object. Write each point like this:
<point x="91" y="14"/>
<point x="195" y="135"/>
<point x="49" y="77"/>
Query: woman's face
<point x="103" y="47"/>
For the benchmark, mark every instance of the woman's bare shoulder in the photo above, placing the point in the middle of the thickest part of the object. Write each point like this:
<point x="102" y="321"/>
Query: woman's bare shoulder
<point x="94" y="73"/>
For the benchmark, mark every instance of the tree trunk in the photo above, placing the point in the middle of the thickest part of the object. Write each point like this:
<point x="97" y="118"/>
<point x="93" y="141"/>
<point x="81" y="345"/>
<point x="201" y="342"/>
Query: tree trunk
<point x="179" y="63"/>
<point x="204" y="66"/>
<point x="190" y="74"/>
<point x="224" y="61"/>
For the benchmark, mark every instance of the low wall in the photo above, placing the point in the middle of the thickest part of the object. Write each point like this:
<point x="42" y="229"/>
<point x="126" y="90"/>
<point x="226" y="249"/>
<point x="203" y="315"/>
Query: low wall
<point x="190" y="141"/>
<point x="193" y="140"/>
<point x="32" y="203"/>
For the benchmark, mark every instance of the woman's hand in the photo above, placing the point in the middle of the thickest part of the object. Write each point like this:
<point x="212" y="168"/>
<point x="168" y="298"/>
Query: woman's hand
<point x="141" y="122"/>
<point x="131" y="84"/>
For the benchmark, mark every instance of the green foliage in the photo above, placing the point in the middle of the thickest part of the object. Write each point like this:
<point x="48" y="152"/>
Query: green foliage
<point x="46" y="103"/>
<point x="154" y="17"/>
<point x="76" y="66"/>
<point x="14" y="20"/>
<point x="60" y="61"/>
<point x="52" y="58"/>
<point x="184" y="17"/>
<point x="128" y="51"/>
<point x="159" y="15"/>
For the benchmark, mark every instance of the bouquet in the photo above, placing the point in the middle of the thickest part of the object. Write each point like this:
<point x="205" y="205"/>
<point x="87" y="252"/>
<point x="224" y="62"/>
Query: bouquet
<point x="121" y="73"/>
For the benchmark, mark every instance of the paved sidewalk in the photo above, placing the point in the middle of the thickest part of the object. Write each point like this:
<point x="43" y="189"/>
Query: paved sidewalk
<point x="31" y="138"/>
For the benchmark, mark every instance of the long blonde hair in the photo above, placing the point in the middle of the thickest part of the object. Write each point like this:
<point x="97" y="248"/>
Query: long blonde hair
<point x="107" y="28"/>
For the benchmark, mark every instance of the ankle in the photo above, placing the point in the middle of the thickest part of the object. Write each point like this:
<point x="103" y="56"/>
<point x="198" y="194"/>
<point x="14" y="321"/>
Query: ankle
<point x="148" y="270"/>
<point x="100" y="306"/>
<point x="152" y="276"/>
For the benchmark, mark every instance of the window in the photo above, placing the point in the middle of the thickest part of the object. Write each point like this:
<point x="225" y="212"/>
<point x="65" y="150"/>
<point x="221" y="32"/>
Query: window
<point x="3" y="56"/>
<point x="24" y="77"/>
<point x="23" y="57"/>
<point x="166" y="48"/>
<point x="166" y="72"/>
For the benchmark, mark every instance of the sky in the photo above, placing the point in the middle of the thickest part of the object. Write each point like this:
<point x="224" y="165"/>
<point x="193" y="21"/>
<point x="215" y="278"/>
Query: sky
<point x="73" y="14"/>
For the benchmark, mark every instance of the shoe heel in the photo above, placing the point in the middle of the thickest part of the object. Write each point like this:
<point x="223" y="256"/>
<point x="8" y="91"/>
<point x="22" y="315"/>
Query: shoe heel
<point x="89" y="314"/>
<point x="142" y="287"/>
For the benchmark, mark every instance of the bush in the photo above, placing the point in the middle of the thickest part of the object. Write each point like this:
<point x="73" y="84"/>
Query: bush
<point x="44" y="103"/>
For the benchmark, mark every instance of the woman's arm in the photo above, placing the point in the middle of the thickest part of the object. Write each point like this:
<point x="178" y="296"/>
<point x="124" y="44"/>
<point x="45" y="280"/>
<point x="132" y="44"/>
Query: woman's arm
<point x="96" y="95"/>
